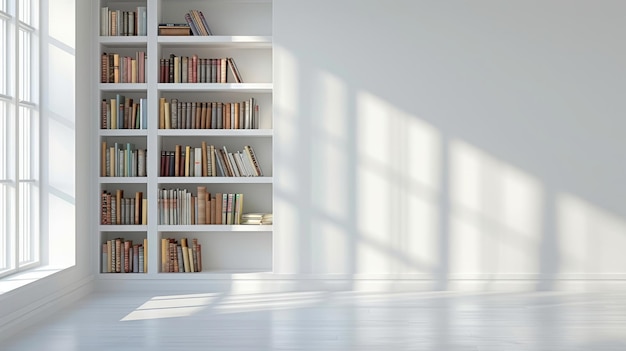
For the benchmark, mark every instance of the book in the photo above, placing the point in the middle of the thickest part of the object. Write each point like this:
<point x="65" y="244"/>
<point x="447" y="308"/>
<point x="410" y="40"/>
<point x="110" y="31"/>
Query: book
<point x="201" y="218"/>
<point x="104" y="259"/>
<point x="142" y="21"/>
<point x="233" y="69"/>
<point x="253" y="160"/>
<point x="197" y="172"/>
<point x="204" y="23"/>
<point x="123" y="22"/>
<point x="192" y="25"/>
<point x="145" y="255"/>
<point x="238" y="208"/>
<point x="174" y="29"/>
<point x="185" y="250"/>
<point x="197" y="21"/>
<point x="138" y="202"/>
<point x="256" y="218"/>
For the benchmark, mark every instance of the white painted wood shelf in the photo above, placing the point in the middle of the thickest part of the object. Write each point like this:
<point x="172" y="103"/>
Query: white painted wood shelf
<point x="231" y="250"/>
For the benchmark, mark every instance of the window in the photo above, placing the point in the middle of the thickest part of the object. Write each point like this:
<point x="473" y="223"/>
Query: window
<point x="19" y="136"/>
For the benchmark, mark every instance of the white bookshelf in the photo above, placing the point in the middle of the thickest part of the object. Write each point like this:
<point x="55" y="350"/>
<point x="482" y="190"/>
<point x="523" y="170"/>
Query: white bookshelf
<point x="242" y="30"/>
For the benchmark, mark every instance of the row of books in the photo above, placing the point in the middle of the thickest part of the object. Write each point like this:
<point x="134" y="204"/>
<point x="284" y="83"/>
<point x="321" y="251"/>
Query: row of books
<point x="123" y="256"/>
<point x="197" y="23"/>
<point x="117" y="161"/>
<point x="192" y="69"/>
<point x="181" y="207"/>
<point x="123" y="23"/>
<point x="179" y="257"/>
<point x="209" y="161"/>
<point x="117" y="68"/>
<point x="122" y="113"/>
<point x="176" y="114"/>
<point x="116" y="209"/>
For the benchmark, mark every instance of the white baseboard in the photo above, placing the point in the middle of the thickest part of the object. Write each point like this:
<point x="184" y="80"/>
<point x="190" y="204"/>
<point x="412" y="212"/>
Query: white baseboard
<point x="272" y="282"/>
<point x="42" y="308"/>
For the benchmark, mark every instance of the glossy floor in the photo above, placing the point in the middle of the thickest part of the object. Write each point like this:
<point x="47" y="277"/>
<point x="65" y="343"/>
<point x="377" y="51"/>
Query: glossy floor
<point x="439" y="321"/>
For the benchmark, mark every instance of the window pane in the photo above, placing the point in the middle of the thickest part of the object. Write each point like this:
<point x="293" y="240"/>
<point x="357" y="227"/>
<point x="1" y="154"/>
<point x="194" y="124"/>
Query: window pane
<point x="28" y="223"/>
<point x="7" y="227"/>
<point x="3" y="54"/>
<point x="25" y="67"/>
<point x="28" y="143"/>
<point x="25" y="14"/>
<point x="4" y="143"/>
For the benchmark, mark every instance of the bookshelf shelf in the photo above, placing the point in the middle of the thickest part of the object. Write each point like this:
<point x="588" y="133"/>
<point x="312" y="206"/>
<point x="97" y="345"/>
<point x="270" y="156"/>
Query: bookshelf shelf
<point x="215" y="180"/>
<point x="122" y="180"/>
<point x="206" y="274"/>
<point x="217" y="41"/>
<point x="216" y="87"/>
<point x="220" y="274"/>
<point x="248" y="133"/>
<point x="242" y="31"/>
<point x="122" y="132"/>
<point x="122" y="228"/>
<point x="121" y="41"/>
<point x="215" y="228"/>
<point x="123" y="87"/>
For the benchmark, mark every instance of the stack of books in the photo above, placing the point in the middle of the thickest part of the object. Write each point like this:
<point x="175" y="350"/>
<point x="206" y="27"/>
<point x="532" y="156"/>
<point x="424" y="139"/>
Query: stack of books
<point x="257" y="218"/>
<point x="174" y="29"/>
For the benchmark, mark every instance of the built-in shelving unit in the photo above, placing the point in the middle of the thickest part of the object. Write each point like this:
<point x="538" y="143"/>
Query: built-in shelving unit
<point x="242" y="31"/>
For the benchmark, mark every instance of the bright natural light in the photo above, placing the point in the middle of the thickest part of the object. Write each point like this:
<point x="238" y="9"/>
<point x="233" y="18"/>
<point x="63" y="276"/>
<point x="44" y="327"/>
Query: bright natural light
<point x="496" y="214"/>
<point x="590" y="239"/>
<point x="174" y="306"/>
<point x="397" y="204"/>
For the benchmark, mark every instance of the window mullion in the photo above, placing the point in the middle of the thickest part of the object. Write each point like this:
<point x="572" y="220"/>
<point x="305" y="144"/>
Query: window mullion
<point x="16" y="136"/>
<point x="14" y="89"/>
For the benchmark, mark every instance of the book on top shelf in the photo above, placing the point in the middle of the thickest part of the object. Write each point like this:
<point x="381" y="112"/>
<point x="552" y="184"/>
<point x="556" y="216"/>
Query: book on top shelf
<point x="123" y="23"/>
<point x="174" y="29"/>
<point x="198" y="23"/>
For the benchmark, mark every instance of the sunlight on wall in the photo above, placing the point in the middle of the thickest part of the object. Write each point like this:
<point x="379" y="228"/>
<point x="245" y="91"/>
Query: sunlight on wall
<point x="331" y="147"/>
<point x="62" y="229"/>
<point x="61" y="30"/>
<point x="496" y="214"/>
<point x="398" y="161"/>
<point x="59" y="102"/>
<point x="591" y="240"/>
<point x="286" y="117"/>
<point x="61" y="87"/>
<point x="331" y="189"/>
<point x="363" y="187"/>
<point x="287" y="182"/>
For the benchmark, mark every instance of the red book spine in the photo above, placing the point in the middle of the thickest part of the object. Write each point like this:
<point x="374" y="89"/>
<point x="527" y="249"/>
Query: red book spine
<point x="194" y="69"/>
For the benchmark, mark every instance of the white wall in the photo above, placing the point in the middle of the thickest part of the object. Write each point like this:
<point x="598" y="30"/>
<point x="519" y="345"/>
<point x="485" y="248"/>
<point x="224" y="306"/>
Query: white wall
<point x="442" y="140"/>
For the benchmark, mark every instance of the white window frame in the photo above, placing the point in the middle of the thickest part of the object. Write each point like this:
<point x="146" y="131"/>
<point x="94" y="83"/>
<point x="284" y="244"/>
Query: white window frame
<point x="20" y="227"/>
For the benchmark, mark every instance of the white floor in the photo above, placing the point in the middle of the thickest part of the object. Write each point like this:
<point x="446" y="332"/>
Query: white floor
<point x="439" y="321"/>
